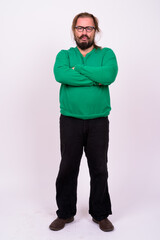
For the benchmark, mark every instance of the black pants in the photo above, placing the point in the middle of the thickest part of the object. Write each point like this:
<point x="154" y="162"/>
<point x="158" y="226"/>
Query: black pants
<point x="93" y="135"/>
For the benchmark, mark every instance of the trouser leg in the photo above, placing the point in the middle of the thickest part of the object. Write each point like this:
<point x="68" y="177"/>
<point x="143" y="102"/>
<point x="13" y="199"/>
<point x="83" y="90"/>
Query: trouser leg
<point x="71" y="139"/>
<point x="96" y="149"/>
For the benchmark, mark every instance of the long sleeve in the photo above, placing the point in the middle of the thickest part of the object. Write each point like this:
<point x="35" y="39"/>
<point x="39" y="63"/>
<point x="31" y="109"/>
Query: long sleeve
<point x="66" y="75"/>
<point x="104" y="74"/>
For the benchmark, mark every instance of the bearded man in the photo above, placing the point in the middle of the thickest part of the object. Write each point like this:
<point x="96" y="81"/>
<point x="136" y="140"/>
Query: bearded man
<point x="85" y="73"/>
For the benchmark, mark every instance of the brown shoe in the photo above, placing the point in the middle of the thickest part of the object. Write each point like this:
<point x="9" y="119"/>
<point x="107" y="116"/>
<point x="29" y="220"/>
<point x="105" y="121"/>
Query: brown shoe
<point x="59" y="223"/>
<point x="105" y="225"/>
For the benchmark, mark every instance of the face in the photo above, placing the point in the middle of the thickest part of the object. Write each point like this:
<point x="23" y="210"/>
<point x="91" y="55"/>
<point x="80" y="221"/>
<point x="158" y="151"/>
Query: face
<point x="84" y="39"/>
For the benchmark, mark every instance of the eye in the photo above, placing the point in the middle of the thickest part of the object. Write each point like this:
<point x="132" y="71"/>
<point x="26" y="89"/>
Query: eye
<point x="89" y="28"/>
<point x="79" y="28"/>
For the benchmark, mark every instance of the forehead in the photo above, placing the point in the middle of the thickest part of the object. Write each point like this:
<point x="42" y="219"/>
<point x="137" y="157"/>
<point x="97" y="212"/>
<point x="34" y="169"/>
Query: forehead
<point x="85" y="21"/>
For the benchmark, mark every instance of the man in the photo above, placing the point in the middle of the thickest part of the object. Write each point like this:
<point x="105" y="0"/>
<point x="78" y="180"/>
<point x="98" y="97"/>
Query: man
<point x="85" y="72"/>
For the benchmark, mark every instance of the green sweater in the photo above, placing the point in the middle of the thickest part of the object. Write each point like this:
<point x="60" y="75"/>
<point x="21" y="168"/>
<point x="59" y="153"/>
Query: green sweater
<point x="81" y="95"/>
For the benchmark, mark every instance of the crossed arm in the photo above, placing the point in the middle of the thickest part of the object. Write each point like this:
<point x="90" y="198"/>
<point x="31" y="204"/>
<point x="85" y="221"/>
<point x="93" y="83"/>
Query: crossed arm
<point x="81" y="75"/>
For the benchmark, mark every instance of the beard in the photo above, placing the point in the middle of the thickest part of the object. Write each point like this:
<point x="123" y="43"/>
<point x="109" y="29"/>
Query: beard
<point x="84" y="45"/>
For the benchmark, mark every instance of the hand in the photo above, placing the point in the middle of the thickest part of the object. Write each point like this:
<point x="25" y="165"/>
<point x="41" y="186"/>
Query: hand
<point x="73" y="68"/>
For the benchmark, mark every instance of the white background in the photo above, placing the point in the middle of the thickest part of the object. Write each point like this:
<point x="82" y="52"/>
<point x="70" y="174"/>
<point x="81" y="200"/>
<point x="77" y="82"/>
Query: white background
<point x="31" y="34"/>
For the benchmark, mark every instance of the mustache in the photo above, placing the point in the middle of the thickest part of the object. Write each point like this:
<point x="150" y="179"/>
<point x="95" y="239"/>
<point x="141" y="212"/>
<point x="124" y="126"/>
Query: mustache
<point x="83" y="36"/>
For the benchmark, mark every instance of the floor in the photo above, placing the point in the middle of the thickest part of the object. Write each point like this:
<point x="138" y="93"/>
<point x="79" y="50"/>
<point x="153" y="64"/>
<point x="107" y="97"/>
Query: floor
<point x="25" y="219"/>
<point x="28" y="207"/>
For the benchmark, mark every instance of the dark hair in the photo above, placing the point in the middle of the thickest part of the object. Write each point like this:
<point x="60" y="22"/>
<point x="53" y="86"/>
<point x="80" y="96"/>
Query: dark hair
<point x="83" y="15"/>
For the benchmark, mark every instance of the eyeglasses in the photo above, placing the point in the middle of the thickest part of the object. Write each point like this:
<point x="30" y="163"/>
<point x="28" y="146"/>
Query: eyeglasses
<point x="81" y="29"/>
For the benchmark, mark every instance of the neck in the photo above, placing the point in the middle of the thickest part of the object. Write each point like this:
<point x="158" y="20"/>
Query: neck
<point x="85" y="51"/>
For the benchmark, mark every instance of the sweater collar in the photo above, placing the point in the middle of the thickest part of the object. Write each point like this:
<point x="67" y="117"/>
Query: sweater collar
<point x="92" y="51"/>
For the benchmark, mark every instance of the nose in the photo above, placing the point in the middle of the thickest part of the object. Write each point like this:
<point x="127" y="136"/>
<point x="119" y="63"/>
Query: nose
<point x="84" y="30"/>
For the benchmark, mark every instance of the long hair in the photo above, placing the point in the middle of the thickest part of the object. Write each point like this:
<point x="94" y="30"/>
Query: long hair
<point x="83" y="15"/>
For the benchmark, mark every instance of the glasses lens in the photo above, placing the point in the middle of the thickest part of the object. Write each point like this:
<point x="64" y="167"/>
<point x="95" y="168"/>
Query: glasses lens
<point x="79" y="29"/>
<point x="89" y="29"/>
